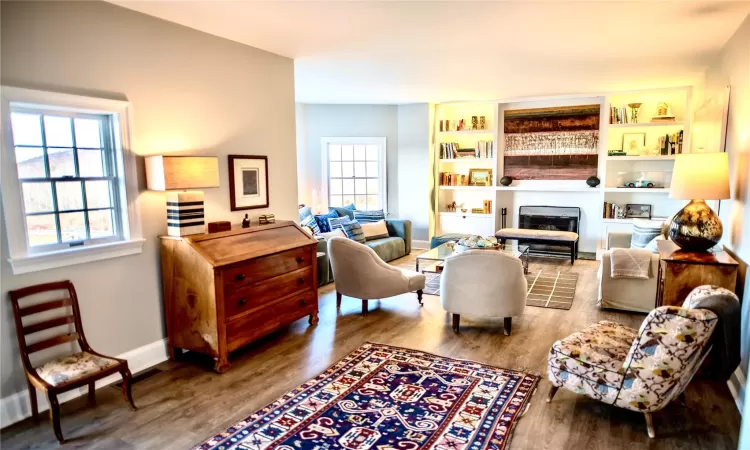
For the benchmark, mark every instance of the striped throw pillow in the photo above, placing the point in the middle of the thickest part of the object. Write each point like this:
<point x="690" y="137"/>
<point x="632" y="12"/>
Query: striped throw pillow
<point x="336" y="222"/>
<point x="644" y="231"/>
<point x="369" y="216"/>
<point x="310" y="222"/>
<point x="353" y="231"/>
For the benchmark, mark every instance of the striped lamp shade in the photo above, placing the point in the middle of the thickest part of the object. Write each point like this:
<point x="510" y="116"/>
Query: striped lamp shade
<point x="185" y="213"/>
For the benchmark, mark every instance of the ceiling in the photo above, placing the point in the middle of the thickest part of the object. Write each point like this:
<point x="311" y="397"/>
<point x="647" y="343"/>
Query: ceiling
<point x="429" y="51"/>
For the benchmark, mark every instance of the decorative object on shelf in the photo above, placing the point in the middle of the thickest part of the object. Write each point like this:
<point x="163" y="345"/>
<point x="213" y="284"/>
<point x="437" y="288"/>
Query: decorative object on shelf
<point x="248" y="182"/>
<point x="645" y="180"/>
<point x="185" y="213"/>
<point x="451" y="207"/>
<point x="480" y="177"/>
<point x="593" y="181"/>
<point x="464" y="210"/>
<point x="506" y="180"/>
<point x="478" y="211"/>
<point x="616" y="153"/>
<point x="621" y="213"/>
<point x="266" y="219"/>
<point x="461" y="125"/>
<point x="634" y="111"/>
<point x="216" y="227"/>
<point x="632" y="143"/>
<point x="636" y="211"/>
<point x="640" y="184"/>
<point x="246" y="222"/>
<point x="488" y="206"/>
<point x="663" y="113"/>
<point x="698" y="177"/>
<point x="474" y="123"/>
<point x="482" y="123"/>
<point x="567" y="133"/>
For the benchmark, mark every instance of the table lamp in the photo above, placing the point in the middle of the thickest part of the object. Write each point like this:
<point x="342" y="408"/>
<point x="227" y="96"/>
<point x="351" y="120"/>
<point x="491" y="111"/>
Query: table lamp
<point x="698" y="177"/>
<point x="185" y="213"/>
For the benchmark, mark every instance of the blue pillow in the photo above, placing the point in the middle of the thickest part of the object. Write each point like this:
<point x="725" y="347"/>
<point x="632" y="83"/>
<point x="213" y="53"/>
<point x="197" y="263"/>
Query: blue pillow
<point x="310" y="221"/>
<point x="369" y="216"/>
<point x="353" y="231"/>
<point x="304" y="213"/>
<point x="322" y="221"/>
<point x="344" y="211"/>
<point x="337" y="222"/>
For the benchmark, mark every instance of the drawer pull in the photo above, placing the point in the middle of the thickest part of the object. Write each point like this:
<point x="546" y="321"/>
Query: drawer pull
<point x="303" y="303"/>
<point x="241" y="302"/>
<point x="300" y="259"/>
<point x="239" y="277"/>
<point x="301" y="280"/>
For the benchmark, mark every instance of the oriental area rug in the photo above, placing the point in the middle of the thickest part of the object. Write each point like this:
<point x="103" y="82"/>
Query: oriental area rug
<point x="389" y="398"/>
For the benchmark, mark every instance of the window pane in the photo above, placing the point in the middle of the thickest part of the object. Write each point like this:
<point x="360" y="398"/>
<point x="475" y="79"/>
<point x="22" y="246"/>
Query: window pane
<point x="335" y="170"/>
<point x="359" y="152"/>
<point x="27" y="129"/>
<point x="90" y="163"/>
<point x="72" y="226"/>
<point x="360" y="186"/>
<point x="30" y="162"/>
<point x="347" y="200"/>
<point x="347" y="152"/>
<point x="57" y="131"/>
<point x="346" y="170"/>
<point x="360" y="201"/>
<point x="373" y="186"/>
<point x="69" y="195"/>
<point x="87" y="133"/>
<point x="372" y="152"/>
<point x="37" y="197"/>
<point x="334" y="152"/>
<point x="373" y="202"/>
<point x="335" y="187"/>
<point x="42" y="229"/>
<point x="359" y="169"/>
<point x="336" y="200"/>
<point x="348" y="187"/>
<point x="372" y="169"/>
<point x="97" y="194"/>
<point x="100" y="223"/>
<point x="61" y="162"/>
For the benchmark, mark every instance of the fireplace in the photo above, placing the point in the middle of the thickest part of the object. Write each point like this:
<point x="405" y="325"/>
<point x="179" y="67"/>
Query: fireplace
<point x="558" y="218"/>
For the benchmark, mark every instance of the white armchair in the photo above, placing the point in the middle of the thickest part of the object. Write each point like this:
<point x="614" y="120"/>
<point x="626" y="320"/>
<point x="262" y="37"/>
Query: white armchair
<point x="483" y="283"/>
<point x="628" y="294"/>
<point x="360" y="273"/>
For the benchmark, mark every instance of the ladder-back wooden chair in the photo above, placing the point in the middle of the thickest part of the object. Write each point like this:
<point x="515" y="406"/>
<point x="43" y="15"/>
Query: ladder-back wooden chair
<point x="63" y="373"/>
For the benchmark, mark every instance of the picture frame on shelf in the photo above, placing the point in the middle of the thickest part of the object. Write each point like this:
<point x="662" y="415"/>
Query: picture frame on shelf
<point x="248" y="182"/>
<point x="480" y="177"/>
<point x="637" y="211"/>
<point x="633" y="143"/>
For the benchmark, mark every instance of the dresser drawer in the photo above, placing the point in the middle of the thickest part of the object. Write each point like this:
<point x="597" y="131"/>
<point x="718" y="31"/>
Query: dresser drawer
<point x="249" y="272"/>
<point x="246" y="298"/>
<point x="270" y="317"/>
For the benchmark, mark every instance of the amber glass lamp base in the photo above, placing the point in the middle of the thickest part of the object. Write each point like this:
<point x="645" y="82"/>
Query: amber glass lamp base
<point x="696" y="227"/>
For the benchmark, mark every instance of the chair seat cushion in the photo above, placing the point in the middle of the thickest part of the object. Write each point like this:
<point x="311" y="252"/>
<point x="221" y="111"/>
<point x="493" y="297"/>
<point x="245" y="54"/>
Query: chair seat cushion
<point x="590" y="361"/>
<point x="550" y="235"/>
<point x="73" y="367"/>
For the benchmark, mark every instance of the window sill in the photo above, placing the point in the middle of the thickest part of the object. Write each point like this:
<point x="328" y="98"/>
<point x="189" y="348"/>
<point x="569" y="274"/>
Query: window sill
<point x="69" y="257"/>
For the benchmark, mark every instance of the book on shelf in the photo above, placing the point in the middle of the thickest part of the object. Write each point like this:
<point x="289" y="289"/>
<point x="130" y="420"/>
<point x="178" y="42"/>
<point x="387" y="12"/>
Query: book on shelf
<point x="618" y="114"/>
<point x="487" y="206"/>
<point x="452" y="150"/>
<point x="452" y="179"/>
<point x="671" y="144"/>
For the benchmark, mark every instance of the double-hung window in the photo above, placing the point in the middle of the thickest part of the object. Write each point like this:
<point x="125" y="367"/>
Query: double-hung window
<point x="66" y="199"/>
<point x="354" y="172"/>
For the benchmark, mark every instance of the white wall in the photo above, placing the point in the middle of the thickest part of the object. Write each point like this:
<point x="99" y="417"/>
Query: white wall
<point x="413" y="167"/>
<point x="192" y="93"/>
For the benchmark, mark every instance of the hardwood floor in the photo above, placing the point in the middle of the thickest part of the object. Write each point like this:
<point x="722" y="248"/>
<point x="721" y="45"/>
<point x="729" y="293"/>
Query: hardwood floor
<point x="187" y="402"/>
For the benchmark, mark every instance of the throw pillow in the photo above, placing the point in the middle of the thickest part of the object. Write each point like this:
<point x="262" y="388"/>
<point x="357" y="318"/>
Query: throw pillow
<point x="375" y="230"/>
<point x="322" y="221"/>
<point x="353" y="231"/>
<point x="652" y="246"/>
<point x="337" y="232"/>
<point x="344" y="211"/>
<point x="644" y="231"/>
<point x="311" y="223"/>
<point x="369" y="216"/>
<point x="336" y="222"/>
<point x="304" y="212"/>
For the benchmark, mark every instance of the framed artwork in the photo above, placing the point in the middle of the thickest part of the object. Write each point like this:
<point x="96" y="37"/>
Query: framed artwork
<point x="633" y="143"/>
<point x="480" y="177"/>
<point x="636" y="211"/>
<point x="248" y="182"/>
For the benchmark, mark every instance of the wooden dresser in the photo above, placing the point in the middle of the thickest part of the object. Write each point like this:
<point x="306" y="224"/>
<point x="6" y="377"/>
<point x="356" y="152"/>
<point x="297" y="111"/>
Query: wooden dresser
<point x="224" y="290"/>
<point x="680" y="272"/>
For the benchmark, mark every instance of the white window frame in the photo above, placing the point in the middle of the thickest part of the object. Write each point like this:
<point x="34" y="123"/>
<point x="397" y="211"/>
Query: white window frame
<point x="24" y="259"/>
<point x="383" y="174"/>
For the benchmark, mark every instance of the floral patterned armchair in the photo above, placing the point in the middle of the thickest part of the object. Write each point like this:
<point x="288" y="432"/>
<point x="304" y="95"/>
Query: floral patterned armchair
<point x="641" y="370"/>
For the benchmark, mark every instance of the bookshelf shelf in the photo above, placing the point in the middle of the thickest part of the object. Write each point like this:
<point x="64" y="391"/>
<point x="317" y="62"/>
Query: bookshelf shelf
<point x="678" y="123"/>
<point x="642" y="158"/>
<point x="550" y="189"/>
<point x="488" y="131"/>
<point x="638" y="190"/>
<point x="467" y="188"/>
<point x="467" y="214"/>
<point x="468" y="160"/>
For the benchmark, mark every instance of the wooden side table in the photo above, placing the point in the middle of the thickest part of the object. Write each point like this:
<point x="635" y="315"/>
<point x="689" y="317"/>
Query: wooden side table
<point x="681" y="271"/>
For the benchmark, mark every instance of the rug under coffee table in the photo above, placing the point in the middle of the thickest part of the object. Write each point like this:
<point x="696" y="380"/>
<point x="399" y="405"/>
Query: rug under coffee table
<point x="384" y="397"/>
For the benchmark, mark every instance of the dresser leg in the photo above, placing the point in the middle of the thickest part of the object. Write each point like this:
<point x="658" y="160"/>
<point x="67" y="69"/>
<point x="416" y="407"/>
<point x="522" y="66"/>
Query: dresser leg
<point x="313" y="319"/>
<point x="222" y="364"/>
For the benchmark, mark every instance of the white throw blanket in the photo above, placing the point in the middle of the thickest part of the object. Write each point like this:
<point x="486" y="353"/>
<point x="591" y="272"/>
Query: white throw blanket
<point x="630" y="263"/>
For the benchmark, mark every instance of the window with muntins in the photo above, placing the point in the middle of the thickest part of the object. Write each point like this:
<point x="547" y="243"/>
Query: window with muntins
<point x="66" y="165"/>
<point x="356" y="175"/>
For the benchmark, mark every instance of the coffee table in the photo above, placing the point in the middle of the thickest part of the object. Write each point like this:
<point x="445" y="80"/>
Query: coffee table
<point x="433" y="259"/>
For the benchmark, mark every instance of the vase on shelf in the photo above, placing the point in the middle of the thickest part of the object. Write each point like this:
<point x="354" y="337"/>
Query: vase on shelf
<point x="634" y="111"/>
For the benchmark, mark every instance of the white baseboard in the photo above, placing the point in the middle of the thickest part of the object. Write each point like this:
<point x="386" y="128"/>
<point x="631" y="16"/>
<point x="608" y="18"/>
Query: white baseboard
<point x="423" y="245"/>
<point x="737" y="383"/>
<point x="16" y="407"/>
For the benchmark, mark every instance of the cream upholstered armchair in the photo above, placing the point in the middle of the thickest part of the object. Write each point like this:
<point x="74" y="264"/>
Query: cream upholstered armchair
<point x="483" y="283"/>
<point x="360" y="273"/>
<point x="629" y="294"/>
<point x="640" y="370"/>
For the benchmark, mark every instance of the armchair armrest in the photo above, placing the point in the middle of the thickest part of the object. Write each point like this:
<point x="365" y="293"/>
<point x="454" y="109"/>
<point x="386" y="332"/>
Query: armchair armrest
<point x="400" y="228"/>
<point x="618" y="240"/>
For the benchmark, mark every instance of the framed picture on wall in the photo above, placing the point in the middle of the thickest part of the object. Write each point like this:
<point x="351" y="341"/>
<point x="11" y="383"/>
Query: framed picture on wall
<point x="637" y="211"/>
<point x="248" y="182"/>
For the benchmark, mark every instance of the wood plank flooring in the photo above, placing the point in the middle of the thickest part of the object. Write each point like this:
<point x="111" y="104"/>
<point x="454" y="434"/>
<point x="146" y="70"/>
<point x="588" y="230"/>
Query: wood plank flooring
<point x="187" y="402"/>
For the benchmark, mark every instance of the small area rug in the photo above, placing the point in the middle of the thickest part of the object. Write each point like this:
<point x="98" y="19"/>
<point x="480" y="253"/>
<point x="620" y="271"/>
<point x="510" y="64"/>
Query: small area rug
<point x="549" y="289"/>
<point x="386" y="398"/>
